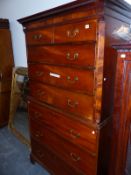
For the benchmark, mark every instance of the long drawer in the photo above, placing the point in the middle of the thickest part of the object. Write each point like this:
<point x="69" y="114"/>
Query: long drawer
<point x="78" y="104"/>
<point x="71" y="55"/>
<point x="71" y="130"/>
<point x="72" y="79"/>
<point x="75" y="157"/>
<point x="50" y="161"/>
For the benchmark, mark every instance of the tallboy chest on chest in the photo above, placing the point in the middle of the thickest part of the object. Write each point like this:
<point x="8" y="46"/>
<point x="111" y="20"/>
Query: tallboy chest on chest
<point x="71" y="71"/>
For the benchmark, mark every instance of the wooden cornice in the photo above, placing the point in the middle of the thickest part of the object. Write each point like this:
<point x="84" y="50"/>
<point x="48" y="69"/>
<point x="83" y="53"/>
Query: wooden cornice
<point x="56" y="11"/>
<point x="117" y="6"/>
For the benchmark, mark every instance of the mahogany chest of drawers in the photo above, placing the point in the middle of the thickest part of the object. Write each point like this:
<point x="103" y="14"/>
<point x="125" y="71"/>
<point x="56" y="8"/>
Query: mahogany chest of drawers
<point x="71" y="81"/>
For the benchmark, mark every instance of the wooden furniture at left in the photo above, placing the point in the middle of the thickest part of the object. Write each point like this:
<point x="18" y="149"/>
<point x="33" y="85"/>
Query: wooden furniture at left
<point x="6" y="64"/>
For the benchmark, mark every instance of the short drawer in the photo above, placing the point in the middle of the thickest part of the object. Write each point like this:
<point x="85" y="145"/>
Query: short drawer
<point x="78" y="104"/>
<point x="72" y="55"/>
<point x="67" y="78"/>
<point x="72" y="154"/>
<point x="42" y="36"/>
<point x="80" y="31"/>
<point x="70" y="129"/>
<point x="50" y="161"/>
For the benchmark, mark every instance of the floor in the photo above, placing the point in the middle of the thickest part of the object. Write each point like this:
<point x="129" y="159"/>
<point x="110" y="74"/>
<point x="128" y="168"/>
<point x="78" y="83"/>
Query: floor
<point x="14" y="157"/>
<point x="21" y="122"/>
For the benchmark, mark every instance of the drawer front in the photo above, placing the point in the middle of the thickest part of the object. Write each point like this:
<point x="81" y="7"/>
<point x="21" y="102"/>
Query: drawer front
<point x="51" y="161"/>
<point x="73" y="79"/>
<point x="82" y="31"/>
<point x="81" y="105"/>
<point x="76" y="157"/>
<point x="42" y="36"/>
<point x="72" y="130"/>
<point x="79" y="55"/>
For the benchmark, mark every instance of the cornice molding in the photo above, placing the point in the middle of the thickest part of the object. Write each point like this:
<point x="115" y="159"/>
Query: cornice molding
<point x="56" y="10"/>
<point x="119" y="6"/>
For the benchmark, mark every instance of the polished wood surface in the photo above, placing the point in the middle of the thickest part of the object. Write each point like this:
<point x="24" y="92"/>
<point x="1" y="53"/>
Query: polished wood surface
<point x="82" y="31"/>
<point x="40" y="36"/>
<point x="77" y="158"/>
<point x="73" y="130"/>
<point x="5" y="85"/>
<point x="6" y="54"/>
<point x="122" y="110"/>
<point x="70" y="55"/>
<point x="64" y="77"/>
<point x="72" y="68"/>
<point x="79" y="104"/>
<point x="6" y="64"/>
<point x="48" y="159"/>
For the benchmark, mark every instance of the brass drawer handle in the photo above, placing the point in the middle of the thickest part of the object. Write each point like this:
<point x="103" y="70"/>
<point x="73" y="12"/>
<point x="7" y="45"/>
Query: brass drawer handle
<point x="75" y="157"/>
<point x="36" y="37"/>
<point x="72" y="80"/>
<point x="72" y="33"/>
<point x="39" y="73"/>
<point x="74" y="134"/>
<point x="68" y="56"/>
<point x="71" y="104"/>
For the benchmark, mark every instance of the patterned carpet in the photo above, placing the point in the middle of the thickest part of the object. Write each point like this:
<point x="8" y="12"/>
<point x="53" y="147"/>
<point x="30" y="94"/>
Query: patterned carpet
<point x="14" y="157"/>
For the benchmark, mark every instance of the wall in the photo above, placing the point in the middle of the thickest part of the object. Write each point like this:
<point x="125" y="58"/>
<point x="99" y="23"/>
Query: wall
<point x="15" y="9"/>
